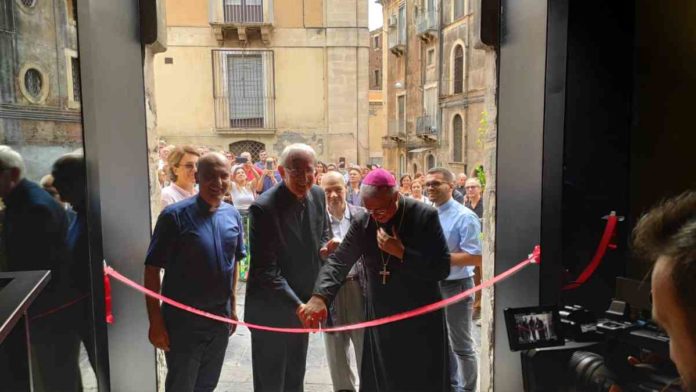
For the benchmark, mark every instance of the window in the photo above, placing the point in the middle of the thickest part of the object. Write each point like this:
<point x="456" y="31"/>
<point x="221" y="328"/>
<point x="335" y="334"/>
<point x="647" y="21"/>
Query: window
<point x="430" y="102"/>
<point x="431" y="57"/>
<point x="377" y="43"/>
<point x="458" y="9"/>
<point x="458" y="69"/>
<point x="430" y="162"/>
<point x="402" y="25"/>
<point x="33" y="82"/>
<point x="457" y="142"/>
<point x="75" y="76"/>
<point x="376" y="79"/>
<point x="243" y="89"/>
<point x="402" y="164"/>
<point x="243" y="11"/>
<point x="250" y="146"/>
<point x="401" y="112"/>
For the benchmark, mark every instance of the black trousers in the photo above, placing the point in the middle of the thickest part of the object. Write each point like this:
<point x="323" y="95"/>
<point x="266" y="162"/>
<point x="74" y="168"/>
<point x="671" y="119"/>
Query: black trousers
<point x="195" y="358"/>
<point x="278" y="361"/>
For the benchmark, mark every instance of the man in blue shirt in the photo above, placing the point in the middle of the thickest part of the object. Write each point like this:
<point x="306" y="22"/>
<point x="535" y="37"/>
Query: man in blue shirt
<point x="462" y="231"/>
<point x="198" y="242"/>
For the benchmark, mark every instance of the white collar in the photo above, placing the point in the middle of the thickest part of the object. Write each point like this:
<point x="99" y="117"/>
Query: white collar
<point x="346" y="213"/>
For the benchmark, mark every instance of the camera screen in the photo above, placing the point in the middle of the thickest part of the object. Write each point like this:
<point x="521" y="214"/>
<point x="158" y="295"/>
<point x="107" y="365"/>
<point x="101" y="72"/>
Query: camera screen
<point x="533" y="327"/>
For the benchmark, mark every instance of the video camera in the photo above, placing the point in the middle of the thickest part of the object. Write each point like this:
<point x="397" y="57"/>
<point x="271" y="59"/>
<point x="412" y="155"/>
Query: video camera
<point x="570" y="349"/>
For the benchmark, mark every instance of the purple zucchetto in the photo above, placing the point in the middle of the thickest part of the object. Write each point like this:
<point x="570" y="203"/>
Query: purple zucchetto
<point x="379" y="177"/>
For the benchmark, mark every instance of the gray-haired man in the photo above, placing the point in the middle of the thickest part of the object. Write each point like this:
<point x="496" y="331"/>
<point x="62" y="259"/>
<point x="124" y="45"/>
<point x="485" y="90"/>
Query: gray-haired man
<point x="288" y="227"/>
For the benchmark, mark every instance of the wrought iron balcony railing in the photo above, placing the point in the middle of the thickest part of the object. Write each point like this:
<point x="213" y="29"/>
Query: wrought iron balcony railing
<point x="426" y="126"/>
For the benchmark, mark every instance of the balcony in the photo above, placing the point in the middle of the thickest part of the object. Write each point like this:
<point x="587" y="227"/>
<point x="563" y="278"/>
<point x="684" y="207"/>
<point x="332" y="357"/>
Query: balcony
<point x="427" y="24"/>
<point x="241" y="17"/>
<point x="396" y="133"/>
<point x="397" y="40"/>
<point x="426" y="128"/>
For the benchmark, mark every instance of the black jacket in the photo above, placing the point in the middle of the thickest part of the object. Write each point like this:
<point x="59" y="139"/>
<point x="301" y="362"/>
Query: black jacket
<point x="34" y="234"/>
<point x="284" y="260"/>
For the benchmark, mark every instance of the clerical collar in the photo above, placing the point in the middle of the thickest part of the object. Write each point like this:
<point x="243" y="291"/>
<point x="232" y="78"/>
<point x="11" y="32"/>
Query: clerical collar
<point x="204" y="206"/>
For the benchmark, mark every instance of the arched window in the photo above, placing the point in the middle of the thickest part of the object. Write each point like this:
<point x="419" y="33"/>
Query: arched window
<point x="402" y="165"/>
<point x="457" y="142"/>
<point x="253" y="147"/>
<point x="458" y="69"/>
<point x="415" y="168"/>
<point x="430" y="161"/>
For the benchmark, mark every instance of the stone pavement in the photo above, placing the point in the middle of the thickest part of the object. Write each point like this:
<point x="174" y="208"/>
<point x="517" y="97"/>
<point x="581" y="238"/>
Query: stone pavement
<point x="236" y="371"/>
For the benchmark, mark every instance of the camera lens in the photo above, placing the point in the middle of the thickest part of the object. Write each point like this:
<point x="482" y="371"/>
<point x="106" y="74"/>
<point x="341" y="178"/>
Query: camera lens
<point x="590" y="372"/>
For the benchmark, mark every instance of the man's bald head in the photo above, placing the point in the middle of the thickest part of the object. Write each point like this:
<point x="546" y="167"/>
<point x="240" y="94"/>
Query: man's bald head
<point x="211" y="160"/>
<point x="214" y="177"/>
<point x="333" y="177"/>
<point x="334" y="186"/>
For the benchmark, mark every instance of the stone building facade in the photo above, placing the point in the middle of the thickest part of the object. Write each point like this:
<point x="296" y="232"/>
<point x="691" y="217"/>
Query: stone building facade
<point x="262" y="74"/>
<point x="435" y="86"/>
<point x="377" y="125"/>
<point x="40" y="101"/>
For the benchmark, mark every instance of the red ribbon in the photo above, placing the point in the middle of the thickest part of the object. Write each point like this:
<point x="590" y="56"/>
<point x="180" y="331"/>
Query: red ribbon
<point x="604" y="243"/>
<point x="533" y="258"/>
<point x="61" y="307"/>
<point x="107" y="300"/>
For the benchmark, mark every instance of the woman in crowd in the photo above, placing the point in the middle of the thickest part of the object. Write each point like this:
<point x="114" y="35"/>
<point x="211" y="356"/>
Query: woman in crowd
<point x="181" y="167"/>
<point x="405" y="185"/>
<point x="242" y="192"/>
<point x="417" y="192"/>
<point x="354" y="179"/>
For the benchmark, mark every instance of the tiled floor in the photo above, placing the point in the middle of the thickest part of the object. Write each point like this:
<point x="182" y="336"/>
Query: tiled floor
<point x="236" y="372"/>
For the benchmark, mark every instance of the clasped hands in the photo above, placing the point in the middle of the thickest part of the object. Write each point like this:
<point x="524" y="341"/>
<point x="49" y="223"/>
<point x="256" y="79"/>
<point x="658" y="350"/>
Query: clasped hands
<point x="390" y="244"/>
<point x="313" y="312"/>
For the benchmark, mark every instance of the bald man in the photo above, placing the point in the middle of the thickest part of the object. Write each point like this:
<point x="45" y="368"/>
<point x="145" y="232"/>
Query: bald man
<point x="198" y="242"/>
<point x="348" y="307"/>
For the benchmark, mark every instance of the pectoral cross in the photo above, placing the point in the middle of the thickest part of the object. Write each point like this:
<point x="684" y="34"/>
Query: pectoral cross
<point x="384" y="274"/>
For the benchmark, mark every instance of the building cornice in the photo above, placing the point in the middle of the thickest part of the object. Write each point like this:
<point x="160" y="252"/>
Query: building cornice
<point x="20" y="112"/>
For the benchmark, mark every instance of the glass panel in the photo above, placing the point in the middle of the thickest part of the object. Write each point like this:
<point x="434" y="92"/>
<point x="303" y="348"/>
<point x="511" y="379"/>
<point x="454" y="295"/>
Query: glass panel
<point x="41" y="122"/>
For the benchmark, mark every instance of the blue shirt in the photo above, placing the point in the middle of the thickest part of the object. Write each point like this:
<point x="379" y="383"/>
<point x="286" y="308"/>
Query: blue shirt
<point x="268" y="182"/>
<point x="198" y="248"/>
<point x="462" y="231"/>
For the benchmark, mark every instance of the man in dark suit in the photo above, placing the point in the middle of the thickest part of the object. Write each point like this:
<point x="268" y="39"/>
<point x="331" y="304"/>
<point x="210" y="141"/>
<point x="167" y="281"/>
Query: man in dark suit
<point x="288" y="228"/>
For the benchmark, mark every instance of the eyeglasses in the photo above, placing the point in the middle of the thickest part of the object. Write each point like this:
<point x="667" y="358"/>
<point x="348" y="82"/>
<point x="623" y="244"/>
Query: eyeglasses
<point x="188" y="166"/>
<point x="433" y="184"/>
<point x="381" y="211"/>
<point x="471" y="187"/>
<point x="300" y="172"/>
